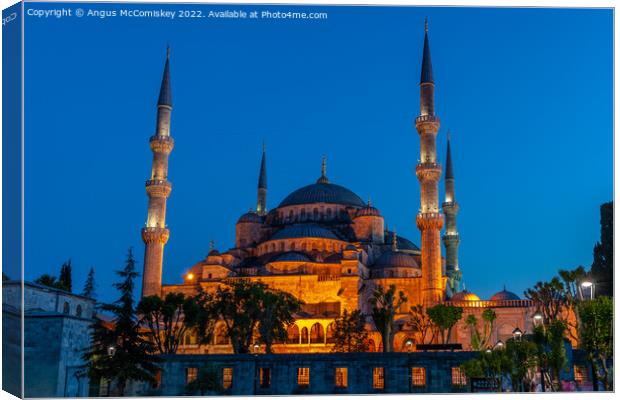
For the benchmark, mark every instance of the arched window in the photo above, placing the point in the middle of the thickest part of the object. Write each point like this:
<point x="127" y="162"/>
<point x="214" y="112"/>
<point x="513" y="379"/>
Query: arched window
<point x="78" y="311"/>
<point x="281" y="246"/>
<point x="303" y="214"/>
<point x="315" y="213"/>
<point x="329" y="213"/>
<point x="273" y="247"/>
<point x="293" y="334"/>
<point x="290" y="215"/>
<point x="304" y="335"/>
<point x="65" y="308"/>
<point x="316" y="334"/>
<point x="292" y="246"/>
<point x="330" y="333"/>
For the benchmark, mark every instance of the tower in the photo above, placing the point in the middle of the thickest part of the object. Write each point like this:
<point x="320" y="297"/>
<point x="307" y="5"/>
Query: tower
<point x="451" y="237"/>
<point x="155" y="234"/>
<point x="429" y="220"/>
<point x="261" y="201"/>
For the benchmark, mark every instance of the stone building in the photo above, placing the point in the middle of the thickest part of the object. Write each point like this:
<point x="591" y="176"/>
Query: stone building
<point x="56" y="334"/>
<point x="325" y="245"/>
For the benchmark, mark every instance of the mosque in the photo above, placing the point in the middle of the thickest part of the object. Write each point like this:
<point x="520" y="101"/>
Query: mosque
<point x="326" y="246"/>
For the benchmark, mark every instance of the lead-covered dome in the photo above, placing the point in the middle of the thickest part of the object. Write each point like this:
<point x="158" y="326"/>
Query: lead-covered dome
<point x="251" y="217"/>
<point x="504" y="295"/>
<point x="464" y="296"/>
<point x="395" y="259"/>
<point x="323" y="192"/>
<point x="292" y="256"/>
<point x="304" y="231"/>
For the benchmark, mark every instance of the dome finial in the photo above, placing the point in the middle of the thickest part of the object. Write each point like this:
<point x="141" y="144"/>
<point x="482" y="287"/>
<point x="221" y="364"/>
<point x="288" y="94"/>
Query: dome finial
<point x="211" y="245"/>
<point x="369" y="202"/>
<point x="394" y="241"/>
<point x="323" y="178"/>
<point x="425" y="24"/>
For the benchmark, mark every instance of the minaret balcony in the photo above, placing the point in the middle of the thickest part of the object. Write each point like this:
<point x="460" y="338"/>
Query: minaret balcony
<point x="161" y="143"/>
<point x="452" y="238"/>
<point x="425" y="123"/>
<point x="428" y="171"/>
<point x="450" y="207"/>
<point x="158" y="187"/>
<point x="429" y="220"/>
<point x="155" y="234"/>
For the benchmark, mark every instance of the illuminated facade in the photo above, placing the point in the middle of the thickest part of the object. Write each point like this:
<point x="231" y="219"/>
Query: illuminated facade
<point x="330" y="249"/>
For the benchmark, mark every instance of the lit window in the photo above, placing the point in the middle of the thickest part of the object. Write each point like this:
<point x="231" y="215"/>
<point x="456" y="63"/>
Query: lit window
<point x="418" y="376"/>
<point x="191" y="374"/>
<point x="341" y="378"/>
<point x="581" y="374"/>
<point x="227" y="377"/>
<point x="458" y="377"/>
<point x="378" y="379"/>
<point x="264" y="376"/>
<point x="303" y="377"/>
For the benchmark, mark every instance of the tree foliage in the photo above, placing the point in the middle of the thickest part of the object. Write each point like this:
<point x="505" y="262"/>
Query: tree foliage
<point x="597" y="335"/>
<point x="119" y="352"/>
<point x="207" y="382"/>
<point x="444" y="317"/>
<point x="64" y="279"/>
<point x="481" y="340"/>
<point x="421" y="323"/>
<point x="385" y="305"/>
<point x="275" y="314"/>
<point x="603" y="262"/>
<point x="350" y="334"/>
<point x="89" y="285"/>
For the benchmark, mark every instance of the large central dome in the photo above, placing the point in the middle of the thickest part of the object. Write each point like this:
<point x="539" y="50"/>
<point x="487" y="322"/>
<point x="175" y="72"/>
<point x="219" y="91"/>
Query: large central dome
<point x="323" y="192"/>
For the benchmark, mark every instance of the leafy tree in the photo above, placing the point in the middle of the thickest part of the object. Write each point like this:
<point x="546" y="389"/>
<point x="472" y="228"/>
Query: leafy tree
<point x="603" y="263"/>
<point x="64" y="279"/>
<point x="494" y="364"/>
<point x="350" y="334"/>
<point x="421" y="323"/>
<point x="572" y="295"/>
<point x="597" y="335"/>
<point x="168" y="320"/>
<point x="48" y="280"/>
<point x="119" y="352"/>
<point x="480" y="340"/>
<point x="89" y="285"/>
<point x="548" y="297"/>
<point x="207" y="381"/>
<point x="385" y="305"/>
<point x="551" y="353"/>
<point x="276" y="309"/>
<point x="522" y="355"/>
<point x="444" y="317"/>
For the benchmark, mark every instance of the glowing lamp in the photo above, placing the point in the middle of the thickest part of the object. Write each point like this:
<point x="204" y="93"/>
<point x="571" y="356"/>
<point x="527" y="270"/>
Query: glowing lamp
<point x="190" y="276"/>
<point x="586" y="284"/>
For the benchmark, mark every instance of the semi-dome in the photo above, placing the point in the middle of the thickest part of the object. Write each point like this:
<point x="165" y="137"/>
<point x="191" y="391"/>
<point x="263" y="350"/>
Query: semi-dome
<point x="368" y="211"/>
<point x="292" y="256"/>
<point x="395" y="259"/>
<point x="323" y="192"/>
<point x="464" y="296"/>
<point x="401" y="242"/>
<point x="304" y="231"/>
<point x="250" y="216"/>
<point x="504" y="295"/>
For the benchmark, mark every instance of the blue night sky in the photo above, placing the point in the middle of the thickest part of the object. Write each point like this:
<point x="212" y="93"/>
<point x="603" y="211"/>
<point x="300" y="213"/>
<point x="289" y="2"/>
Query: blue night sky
<point x="526" y="93"/>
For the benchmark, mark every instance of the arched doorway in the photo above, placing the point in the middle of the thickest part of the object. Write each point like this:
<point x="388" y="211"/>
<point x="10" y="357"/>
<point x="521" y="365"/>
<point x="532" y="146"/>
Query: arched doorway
<point x="317" y="335"/>
<point x="329" y="335"/>
<point x="293" y="334"/>
<point x="304" y="335"/>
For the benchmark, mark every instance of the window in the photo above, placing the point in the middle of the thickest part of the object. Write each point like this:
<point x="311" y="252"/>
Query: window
<point x="293" y="334"/>
<point x="329" y="336"/>
<point x="157" y="383"/>
<point x="304" y="335"/>
<point x="264" y="377"/>
<point x="78" y="311"/>
<point x="329" y="213"/>
<point x="378" y="379"/>
<point x="191" y="374"/>
<point x="210" y="276"/>
<point x="303" y="214"/>
<point x="65" y="308"/>
<point x="227" y="377"/>
<point x="316" y="333"/>
<point x="458" y="377"/>
<point x="341" y="378"/>
<point x="303" y="377"/>
<point x="315" y="213"/>
<point x="581" y="374"/>
<point x="418" y="376"/>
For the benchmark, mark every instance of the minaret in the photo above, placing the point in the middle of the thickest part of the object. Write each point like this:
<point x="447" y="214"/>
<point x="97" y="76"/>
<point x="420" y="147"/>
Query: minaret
<point x="261" y="201"/>
<point x="429" y="220"/>
<point x="155" y="234"/>
<point x="451" y="238"/>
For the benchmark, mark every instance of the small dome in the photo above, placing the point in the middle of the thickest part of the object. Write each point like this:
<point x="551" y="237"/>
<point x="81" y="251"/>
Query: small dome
<point x="368" y="211"/>
<point x="304" y="231"/>
<point x="292" y="256"/>
<point x="395" y="259"/>
<point x="401" y="242"/>
<point x="323" y="192"/>
<point x="504" y="295"/>
<point x="464" y="296"/>
<point x="350" y="247"/>
<point x="251" y="217"/>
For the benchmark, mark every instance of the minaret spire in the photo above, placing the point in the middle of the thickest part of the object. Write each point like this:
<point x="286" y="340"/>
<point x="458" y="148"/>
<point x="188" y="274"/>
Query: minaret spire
<point x="261" y="202"/>
<point x="429" y="219"/>
<point x="155" y="234"/>
<point x="451" y="238"/>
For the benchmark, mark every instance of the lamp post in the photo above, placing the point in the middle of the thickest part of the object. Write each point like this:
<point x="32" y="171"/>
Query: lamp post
<point x="499" y="345"/>
<point x="111" y="351"/>
<point x="587" y="284"/>
<point x="537" y="318"/>
<point x="409" y="344"/>
<point x="517" y="334"/>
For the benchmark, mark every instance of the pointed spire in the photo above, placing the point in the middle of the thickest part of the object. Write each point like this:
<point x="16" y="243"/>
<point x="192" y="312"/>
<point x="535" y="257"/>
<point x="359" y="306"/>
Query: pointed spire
<point x="394" y="241"/>
<point x="211" y="245"/>
<point x="262" y="177"/>
<point x="369" y="202"/>
<point x="323" y="178"/>
<point x="449" y="172"/>
<point x="427" y="67"/>
<point x="165" y="92"/>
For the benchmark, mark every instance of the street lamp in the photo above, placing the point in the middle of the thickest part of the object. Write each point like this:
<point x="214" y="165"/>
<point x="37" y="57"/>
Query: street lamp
<point x="488" y="350"/>
<point x="537" y="317"/>
<point x="587" y="284"/>
<point x="409" y="344"/>
<point x="256" y="348"/>
<point x="517" y="333"/>
<point x="499" y="345"/>
<point x="111" y="350"/>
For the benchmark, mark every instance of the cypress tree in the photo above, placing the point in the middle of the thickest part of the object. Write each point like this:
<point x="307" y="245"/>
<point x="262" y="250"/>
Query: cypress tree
<point x="64" y="279"/>
<point x="89" y="285"/>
